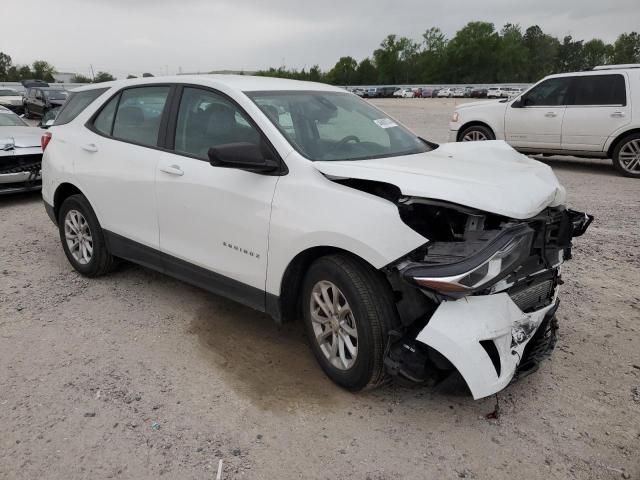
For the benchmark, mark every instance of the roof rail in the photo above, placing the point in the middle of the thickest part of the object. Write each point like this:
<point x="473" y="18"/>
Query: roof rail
<point x="617" y="67"/>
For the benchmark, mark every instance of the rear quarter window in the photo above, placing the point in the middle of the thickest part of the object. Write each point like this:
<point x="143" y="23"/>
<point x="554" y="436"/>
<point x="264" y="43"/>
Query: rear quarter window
<point x="599" y="90"/>
<point x="76" y="103"/>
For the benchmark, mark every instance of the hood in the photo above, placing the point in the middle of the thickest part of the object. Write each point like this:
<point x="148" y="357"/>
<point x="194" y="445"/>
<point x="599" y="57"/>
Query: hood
<point x="489" y="176"/>
<point x="22" y="136"/>
<point x="483" y="103"/>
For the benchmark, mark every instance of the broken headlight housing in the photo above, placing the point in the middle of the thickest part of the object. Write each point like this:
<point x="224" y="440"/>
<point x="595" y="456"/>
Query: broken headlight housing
<point x="481" y="270"/>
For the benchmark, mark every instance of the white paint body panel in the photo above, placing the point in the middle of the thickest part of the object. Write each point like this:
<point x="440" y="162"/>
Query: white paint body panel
<point x="489" y="176"/>
<point x="456" y="329"/>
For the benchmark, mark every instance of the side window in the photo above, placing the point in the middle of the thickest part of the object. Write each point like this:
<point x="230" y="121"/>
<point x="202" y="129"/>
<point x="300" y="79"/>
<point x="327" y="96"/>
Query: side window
<point x="139" y="114"/>
<point x="599" y="90"/>
<point x="206" y="119"/>
<point x="104" y="121"/>
<point x="549" y="93"/>
<point x="76" y="103"/>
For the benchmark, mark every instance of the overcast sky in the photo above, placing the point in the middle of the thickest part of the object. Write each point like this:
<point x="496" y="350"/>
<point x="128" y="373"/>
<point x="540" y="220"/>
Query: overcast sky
<point x="135" y="36"/>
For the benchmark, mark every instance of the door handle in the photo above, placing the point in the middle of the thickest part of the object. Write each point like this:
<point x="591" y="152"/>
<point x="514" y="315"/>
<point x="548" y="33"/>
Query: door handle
<point x="90" y="147"/>
<point x="172" y="170"/>
<point x="551" y="114"/>
<point x="617" y="114"/>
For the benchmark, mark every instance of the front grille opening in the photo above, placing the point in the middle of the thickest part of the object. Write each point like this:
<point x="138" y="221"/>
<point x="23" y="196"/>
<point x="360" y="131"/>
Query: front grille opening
<point x="535" y="296"/>
<point x="491" y="349"/>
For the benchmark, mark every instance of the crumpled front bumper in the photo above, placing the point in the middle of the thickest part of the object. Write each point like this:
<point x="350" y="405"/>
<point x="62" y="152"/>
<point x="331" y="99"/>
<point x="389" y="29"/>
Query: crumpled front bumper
<point x="463" y="331"/>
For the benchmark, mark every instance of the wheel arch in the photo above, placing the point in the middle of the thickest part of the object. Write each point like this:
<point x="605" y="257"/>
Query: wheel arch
<point x="286" y="307"/>
<point x="64" y="191"/>
<point x="619" y="138"/>
<point x="471" y="124"/>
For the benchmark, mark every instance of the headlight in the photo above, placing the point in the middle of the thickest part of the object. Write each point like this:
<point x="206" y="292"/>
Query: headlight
<point x="480" y="271"/>
<point x="454" y="117"/>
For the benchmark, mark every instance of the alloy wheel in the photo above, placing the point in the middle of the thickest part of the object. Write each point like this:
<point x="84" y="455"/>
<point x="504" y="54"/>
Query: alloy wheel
<point x="474" y="136"/>
<point x="334" y="325"/>
<point x="78" y="236"/>
<point x="629" y="156"/>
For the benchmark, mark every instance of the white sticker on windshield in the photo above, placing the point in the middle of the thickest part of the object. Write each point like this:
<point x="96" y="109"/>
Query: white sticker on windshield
<point x="385" y="123"/>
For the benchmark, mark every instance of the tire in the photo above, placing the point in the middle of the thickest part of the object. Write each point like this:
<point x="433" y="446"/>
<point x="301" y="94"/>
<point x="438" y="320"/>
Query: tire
<point x="476" y="133"/>
<point x="76" y="215"/>
<point x="626" y="156"/>
<point x="373" y="314"/>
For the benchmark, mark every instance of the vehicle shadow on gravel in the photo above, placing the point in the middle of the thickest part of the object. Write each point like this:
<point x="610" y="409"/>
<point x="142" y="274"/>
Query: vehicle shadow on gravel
<point x="274" y="367"/>
<point x="17" y="199"/>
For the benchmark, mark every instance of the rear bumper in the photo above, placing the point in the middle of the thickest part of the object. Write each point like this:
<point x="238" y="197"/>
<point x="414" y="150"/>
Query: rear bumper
<point x="485" y="338"/>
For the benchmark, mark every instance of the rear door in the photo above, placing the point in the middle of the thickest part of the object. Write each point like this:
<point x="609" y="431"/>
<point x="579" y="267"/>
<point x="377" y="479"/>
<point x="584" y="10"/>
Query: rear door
<point x="535" y="119"/>
<point x="116" y="162"/>
<point x="597" y="106"/>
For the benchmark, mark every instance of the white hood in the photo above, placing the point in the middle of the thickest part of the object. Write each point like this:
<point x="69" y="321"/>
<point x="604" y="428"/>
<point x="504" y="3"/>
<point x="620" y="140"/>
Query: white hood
<point x="490" y="176"/>
<point x="22" y="136"/>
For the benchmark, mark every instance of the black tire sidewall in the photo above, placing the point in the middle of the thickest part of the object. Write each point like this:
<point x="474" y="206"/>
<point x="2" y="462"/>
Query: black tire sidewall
<point x="358" y="376"/>
<point x="100" y="254"/>
<point x="616" y="155"/>
<point x="480" y="128"/>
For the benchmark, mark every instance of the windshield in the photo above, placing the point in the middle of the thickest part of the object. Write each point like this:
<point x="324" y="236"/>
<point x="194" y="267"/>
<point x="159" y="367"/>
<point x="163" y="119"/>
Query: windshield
<point x="11" y="120"/>
<point x="55" y="94"/>
<point x="9" y="93"/>
<point x="336" y="126"/>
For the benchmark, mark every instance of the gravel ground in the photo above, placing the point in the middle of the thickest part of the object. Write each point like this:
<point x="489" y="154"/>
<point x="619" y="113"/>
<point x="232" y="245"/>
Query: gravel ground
<point x="136" y="375"/>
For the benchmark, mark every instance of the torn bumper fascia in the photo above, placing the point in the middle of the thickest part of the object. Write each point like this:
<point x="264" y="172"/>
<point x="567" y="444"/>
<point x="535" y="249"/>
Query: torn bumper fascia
<point x="457" y="327"/>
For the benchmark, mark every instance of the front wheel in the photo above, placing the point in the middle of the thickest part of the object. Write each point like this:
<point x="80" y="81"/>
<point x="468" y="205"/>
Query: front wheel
<point x="348" y="312"/>
<point x="476" y="133"/>
<point x="626" y="156"/>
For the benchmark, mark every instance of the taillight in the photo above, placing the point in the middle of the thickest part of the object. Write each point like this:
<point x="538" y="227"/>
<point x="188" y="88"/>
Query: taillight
<point x="45" y="139"/>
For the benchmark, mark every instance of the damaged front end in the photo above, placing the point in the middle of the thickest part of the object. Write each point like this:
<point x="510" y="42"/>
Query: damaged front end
<point x="20" y="167"/>
<point x="480" y="297"/>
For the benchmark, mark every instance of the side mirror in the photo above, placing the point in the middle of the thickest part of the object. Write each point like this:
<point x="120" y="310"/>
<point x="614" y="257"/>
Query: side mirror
<point x="243" y="156"/>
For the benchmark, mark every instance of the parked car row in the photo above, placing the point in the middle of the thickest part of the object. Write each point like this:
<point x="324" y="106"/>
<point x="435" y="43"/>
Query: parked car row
<point x="37" y="99"/>
<point x="443" y="92"/>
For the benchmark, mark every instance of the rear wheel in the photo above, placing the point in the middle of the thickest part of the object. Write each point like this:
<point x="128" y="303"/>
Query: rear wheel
<point x="348" y="312"/>
<point x="476" y="133"/>
<point x="82" y="238"/>
<point x="626" y="156"/>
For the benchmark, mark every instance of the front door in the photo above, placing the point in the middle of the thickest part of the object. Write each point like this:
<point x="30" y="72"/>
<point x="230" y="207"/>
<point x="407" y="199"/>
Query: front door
<point x="213" y="218"/>
<point x="535" y="119"/>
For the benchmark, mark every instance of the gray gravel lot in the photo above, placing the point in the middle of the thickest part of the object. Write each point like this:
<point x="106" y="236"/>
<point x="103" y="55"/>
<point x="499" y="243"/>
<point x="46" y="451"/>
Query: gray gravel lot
<point x="136" y="375"/>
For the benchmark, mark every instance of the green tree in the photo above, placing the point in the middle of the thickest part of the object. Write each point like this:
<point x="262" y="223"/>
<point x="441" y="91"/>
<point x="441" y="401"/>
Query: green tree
<point x="472" y="54"/>
<point x="570" y="55"/>
<point x="103" y="77"/>
<point x="596" y="52"/>
<point x="626" y="48"/>
<point x="147" y="75"/>
<point x="344" y="72"/>
<point x="513" y="55"/>
<point x="24" y="72"/>
<point x="78" y="78"/>
<point x="366" y="73"/>
<point x="542" y="51"/>
<point x="431" y="58"/>
<point x="133" y="76"/>
<point x="315" y="74"/>
<point x="5" y="65"/>
<point x="43" y="70"/>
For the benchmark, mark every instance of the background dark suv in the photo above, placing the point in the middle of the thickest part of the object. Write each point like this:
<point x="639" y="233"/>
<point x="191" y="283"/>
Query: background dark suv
<point x="39" y="100"/>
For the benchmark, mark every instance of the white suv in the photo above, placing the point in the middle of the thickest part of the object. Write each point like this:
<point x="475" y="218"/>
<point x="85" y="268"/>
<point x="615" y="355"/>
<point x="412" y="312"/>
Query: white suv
<point x="585" y="114"/>
<point x="403" y="258"/>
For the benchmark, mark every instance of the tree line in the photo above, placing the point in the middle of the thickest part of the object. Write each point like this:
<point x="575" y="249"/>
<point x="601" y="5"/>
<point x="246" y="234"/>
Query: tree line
<point x="477" y="53"/>
<point x="42" y="70"/>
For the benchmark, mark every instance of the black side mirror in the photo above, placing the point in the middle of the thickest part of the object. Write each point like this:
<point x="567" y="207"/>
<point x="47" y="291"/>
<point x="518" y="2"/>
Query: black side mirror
<point x="243" y="156"/>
